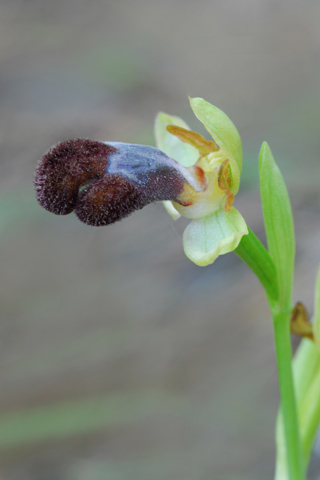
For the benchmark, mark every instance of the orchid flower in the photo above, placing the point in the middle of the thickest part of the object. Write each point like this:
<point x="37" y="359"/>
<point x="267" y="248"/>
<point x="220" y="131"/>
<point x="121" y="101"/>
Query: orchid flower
<point x="216" y="227"/>
<point x="104" y="182"/>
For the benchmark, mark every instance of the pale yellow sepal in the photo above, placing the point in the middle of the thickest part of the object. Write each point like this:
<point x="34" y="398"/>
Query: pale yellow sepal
<point x="206" y="238"/>
<point x="183" y="153"/>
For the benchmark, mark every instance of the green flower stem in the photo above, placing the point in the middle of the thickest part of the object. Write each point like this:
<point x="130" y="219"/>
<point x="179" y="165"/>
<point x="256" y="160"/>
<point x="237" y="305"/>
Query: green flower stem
<point x="281" y="472"/>
<point x="281" y="324"/>
<point x="254" y="254"/>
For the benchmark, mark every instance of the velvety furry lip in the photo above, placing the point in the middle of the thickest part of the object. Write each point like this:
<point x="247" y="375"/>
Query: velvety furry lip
<point x="105" y="182"/>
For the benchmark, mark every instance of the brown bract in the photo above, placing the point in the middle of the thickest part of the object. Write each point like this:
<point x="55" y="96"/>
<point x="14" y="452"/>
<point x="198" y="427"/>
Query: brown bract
<point x="299" y="322"/>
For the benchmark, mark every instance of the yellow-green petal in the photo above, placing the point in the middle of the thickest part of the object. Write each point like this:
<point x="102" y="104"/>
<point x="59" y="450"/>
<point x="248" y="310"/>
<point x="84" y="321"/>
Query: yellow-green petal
<point x="186" y="155"/>
<point x="223" y="132"/>
<point x="220" y="233"/>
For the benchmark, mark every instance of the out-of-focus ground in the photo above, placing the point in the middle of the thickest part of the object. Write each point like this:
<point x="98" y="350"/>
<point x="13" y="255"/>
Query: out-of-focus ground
<point x="119" y="358"/>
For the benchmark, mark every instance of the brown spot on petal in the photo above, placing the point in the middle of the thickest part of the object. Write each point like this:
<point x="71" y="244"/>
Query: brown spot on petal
<point x="188" y="196"/>
<point x="224" y="181"/>
<point x="199" y="173"/>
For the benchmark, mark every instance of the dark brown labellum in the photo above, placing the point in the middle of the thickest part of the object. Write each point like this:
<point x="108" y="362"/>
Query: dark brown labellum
<point x="105" y="182"/>
<point x="66" y="167"/>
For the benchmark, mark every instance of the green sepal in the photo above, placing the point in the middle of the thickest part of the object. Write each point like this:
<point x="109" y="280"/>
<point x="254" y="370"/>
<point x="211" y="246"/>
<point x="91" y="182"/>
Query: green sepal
<point x="278" y="222"/>
<point x="206" y="238"/>
<point x="223" y="132"/>
<point x="183" y="153"/>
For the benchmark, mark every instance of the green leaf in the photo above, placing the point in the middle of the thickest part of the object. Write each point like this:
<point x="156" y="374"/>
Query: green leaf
<point x="306" y="373"/>
<point x="278" y="222"/>
<point x="206" y="238"/>
<point x="183" y="153"/>
<point x="306" y="365"/>
<point x="307" y="381"/>
<point x="309" y="414"/>
<point x="82" y="416"/>
<point x="220" y="127"/>
<point x="316" y="314"/>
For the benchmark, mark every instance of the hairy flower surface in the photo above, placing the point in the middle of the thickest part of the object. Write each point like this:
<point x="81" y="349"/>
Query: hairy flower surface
<point x="103" y="182"/>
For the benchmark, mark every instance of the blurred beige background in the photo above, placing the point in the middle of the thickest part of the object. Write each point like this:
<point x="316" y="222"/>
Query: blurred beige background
<point x="119" y="358"/>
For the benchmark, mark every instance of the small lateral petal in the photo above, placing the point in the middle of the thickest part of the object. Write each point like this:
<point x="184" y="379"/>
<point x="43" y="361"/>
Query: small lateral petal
<point x="203" y="146"/>
<point x="171" y="210"/>
<point x="183" y="153"/>
<point x="220" y="233"/>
